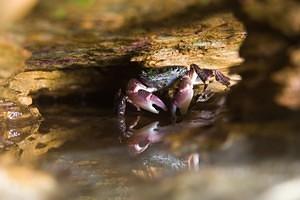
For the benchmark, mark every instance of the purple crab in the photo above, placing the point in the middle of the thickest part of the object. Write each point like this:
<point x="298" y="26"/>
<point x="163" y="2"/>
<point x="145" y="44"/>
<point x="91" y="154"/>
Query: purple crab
<point x="142" y="92"/>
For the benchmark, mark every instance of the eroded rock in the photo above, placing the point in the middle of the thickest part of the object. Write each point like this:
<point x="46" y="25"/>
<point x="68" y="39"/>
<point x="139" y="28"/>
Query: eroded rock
<point x="67" y="67"/>
<point x="211" y="43"/>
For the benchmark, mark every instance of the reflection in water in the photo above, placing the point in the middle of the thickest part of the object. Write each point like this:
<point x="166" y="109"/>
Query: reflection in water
<point x="17" y="122"/>
<point x="81" y="150"/>
<point x="142" y="133"/>
<point x="152" y="133"/>
<point x="145" y="136"/>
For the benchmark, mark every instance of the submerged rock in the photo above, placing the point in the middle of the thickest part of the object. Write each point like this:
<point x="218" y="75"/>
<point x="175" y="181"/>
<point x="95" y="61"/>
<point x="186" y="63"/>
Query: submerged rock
<point x="228" y="183"/>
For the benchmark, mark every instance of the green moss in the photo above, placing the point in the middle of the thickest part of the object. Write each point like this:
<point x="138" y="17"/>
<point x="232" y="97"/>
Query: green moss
<point x="59" y="13"/>
<point x="83" y="3"/>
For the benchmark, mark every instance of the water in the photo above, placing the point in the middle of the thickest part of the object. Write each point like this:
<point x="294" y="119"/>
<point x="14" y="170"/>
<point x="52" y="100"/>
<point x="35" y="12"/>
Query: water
<point x="82" y="149"/>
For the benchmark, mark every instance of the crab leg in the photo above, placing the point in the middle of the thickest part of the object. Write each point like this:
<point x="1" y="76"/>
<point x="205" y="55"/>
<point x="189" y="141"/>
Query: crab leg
<point x="120" y="103"/>
<point x="206" y="74"/>
<point x="221" y="78"/>
<point x="141" y="97"/>
<point x="185" y="93"/>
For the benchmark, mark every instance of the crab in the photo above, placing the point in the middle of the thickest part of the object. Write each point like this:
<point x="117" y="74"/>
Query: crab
<point x="142" y="92"/>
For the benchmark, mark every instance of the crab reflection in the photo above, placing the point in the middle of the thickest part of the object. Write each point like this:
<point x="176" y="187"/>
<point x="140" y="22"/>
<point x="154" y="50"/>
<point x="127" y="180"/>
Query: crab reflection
<point x="185" y="144"/>
<point x="144" y="137"/>
<point x="165" y="149"/>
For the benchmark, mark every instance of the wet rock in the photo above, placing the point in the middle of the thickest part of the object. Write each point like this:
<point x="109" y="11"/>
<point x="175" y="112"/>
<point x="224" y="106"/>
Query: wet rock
<point x="218" y="183"/>
<point x="35" y="140"/>
<point x="252" y="162"/>
<point x="16" y="122"/>
<point x="12" y="112"/>
<point x="81" y="65"/>
<point x="157" y="164"/>
<point x="56" y="83"/>
<point x="211" y="43"/>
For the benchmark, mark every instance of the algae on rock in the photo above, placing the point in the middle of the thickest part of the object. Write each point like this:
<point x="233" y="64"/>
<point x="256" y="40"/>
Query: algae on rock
<point x="68" y="67"/>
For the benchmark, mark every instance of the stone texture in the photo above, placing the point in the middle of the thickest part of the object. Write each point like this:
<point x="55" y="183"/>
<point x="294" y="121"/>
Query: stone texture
<point x="289" y="79"/>
<point x="280" y="14"/>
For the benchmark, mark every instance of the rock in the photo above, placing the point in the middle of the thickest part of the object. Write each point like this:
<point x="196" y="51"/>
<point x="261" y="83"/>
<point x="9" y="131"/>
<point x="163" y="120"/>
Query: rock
<point x="251" y="162"/>
<point x="12" y="58"/>
<point x="55" y="83"/>
<point x="30" y="141"/>
<point x="16" y="122"/>
<point x="227" y="183"/>
<point x="283" y="15"/>
<point x="254" y="97"/>
<point x="211" y="43"/>
<point x="14" y="10"/>
<point x="46" y="57"/>
<point x="62" y="67"/>
<point x="288" y="78"/>
<point x="286" y="190"/>
<point x="25" y="182"/>
<point x="106" y="15"/>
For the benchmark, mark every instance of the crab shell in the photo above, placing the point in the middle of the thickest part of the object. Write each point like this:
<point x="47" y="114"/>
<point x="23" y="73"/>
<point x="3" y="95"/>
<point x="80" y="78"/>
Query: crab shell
<point x="168" y="78"/>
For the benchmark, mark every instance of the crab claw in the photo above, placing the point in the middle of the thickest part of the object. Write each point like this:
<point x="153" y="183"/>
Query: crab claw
<point x="185" y="93"/>
<point x="141" y="97"/>
<point x="144" y="137"/>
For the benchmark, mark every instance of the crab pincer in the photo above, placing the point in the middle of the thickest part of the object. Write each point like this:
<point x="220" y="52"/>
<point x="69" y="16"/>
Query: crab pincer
<point x="142" y="97"/>
<point x="144" y="137"/>
<point x="184" y="94"/>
